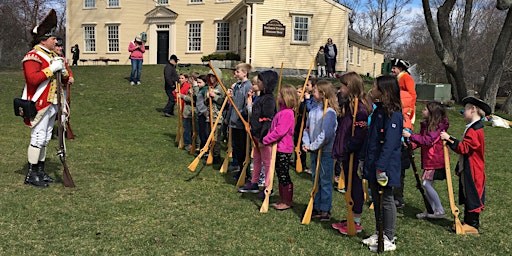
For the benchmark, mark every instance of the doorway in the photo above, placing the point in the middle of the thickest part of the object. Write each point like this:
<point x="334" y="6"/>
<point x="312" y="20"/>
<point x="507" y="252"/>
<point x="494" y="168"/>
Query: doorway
<point x="162" y="56"/>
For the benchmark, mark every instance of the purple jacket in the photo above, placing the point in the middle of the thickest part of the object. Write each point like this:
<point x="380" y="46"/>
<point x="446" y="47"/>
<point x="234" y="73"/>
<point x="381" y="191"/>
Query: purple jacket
<point x="345" y="143"/>
<point x="431" y="145"/>
<point x="281" y="130"/>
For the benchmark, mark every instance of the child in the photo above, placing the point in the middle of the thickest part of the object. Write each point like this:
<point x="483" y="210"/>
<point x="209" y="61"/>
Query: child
<point x="217" y="96"/>
<point x="239" y="95"/>
<point x="320" y="62"/>
<point x="470" y="167"/>
<point x="281" y="132"/>
<point x="186" y="107"/>
<point x="347" y="143"/>
<point x="202" y="110"/>
<point x="263" y="111"/>
<point x="432" y="157"/>
<point x="302" y="116"/>
<point x="382" y="158"/>
<point x="319" y="134"/>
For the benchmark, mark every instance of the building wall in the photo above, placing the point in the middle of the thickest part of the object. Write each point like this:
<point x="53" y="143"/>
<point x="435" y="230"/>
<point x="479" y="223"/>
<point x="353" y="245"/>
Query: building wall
<point x="328" y="19"/>
<point x="370" y="61"/>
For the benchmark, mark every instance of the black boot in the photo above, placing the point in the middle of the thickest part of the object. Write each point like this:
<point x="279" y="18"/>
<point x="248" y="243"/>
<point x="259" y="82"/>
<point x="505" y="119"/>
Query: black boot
<point x="32" y="178"/>
<point x="472" y="219"/>
<point x="43" y="175"/>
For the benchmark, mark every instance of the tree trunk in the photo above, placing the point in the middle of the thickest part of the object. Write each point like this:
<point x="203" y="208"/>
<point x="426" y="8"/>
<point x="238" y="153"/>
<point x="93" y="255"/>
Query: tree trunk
<point x="507" y="106"/>
<point x="492" y="80"/>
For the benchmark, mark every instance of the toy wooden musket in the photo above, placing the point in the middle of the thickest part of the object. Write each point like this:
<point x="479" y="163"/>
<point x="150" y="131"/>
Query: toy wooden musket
<point x="309" y="210"/>
<point x="268" y="189"/>
<point x="179" y="134"/>
<point x="247" y="160"/>
<point x="419" y="186"/>
<point x="209" y="160"/>
<point x="279" y="83"/>
<point x="341" y="179"/>
<point x="192" y="166"/>
<point x="229" y="151"/>
<point x="298" y="152"/>
<point x="351" y="226"/>
<point x="246" y="124"/>
<point x="460" y="229"/>
<point x="66" y="175"/>
<point x="194" y="132"/>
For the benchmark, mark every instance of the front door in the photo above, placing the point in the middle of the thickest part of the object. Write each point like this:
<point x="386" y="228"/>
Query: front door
<point x="162" y="47"/>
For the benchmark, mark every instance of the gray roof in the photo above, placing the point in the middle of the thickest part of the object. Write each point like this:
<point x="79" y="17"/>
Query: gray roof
<point x="354" y="37"/>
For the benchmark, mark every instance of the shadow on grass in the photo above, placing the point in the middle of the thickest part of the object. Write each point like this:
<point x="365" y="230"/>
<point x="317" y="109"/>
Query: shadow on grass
<point x="196" y="172"/>
<point x="53" y="169"/>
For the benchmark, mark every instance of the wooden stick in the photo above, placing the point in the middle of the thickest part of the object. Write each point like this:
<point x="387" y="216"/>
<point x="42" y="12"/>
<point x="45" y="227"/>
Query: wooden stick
<point x="279" y="83"/>
<point x="179" y="107"/>
<point x="247" y="162"/>
<point x="209" y="160"/>
<point x="351" y="226"/>
<point x="341" y="179"/>
<point x="194" y="132"/>
<point x="268" y="189"/>
<point x="192" y="166"/>
<point x="460" y="229"/>
<point x="309" y="210"/>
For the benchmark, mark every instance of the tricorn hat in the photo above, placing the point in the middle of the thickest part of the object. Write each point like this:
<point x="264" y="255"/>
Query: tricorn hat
<point x="404" y="65"/>
<point x="46" y="28"/>
<point x="479" y="103"/>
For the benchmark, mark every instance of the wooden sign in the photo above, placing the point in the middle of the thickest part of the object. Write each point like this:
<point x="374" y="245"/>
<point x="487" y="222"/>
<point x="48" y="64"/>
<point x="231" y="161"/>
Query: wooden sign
<point x="274" y="28"/>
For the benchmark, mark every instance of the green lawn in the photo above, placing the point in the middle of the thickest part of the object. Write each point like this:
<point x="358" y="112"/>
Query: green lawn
<point x="135" y="196"/>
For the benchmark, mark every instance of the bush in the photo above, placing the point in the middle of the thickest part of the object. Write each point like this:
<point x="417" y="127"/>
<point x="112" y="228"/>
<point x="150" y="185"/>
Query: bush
<point x="221" y="56"/>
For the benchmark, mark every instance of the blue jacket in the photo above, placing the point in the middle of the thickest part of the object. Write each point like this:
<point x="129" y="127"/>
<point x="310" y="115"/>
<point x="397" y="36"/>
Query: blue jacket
<point x="320" y="131"/>
<point x="383" y="146"/>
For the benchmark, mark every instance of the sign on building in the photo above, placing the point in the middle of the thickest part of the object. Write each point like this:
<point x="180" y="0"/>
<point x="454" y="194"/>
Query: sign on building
<point x="274" y="28"/>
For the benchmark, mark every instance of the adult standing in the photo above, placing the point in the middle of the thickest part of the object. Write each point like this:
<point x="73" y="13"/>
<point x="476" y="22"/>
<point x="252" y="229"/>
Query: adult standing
<point x="331" y="51"/>
<point x="171" y="78"/>
<point x="39" y="68"/>
<point x="76" y="54"/>
<point x="408" y="98"/>
<point x="137" y="50"/>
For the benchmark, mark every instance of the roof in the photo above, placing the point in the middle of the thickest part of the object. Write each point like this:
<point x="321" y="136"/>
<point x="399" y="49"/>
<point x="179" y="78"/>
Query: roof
<point x="354" y="37"/>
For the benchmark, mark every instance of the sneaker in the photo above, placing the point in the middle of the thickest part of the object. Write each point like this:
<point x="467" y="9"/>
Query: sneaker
<point x="399" y="203"/>
<point x="188" y="147"/>
<point x="389" y="245"/>
<point x="316" y="214"/>
<point x="422" y="215"/>
<point x="344" y="229"/>
<point x="338" y="225"/>
<point x="308" y="170"/>
<point x="249" y="188"/>
<point x="138" y="83"/>
<point x="341" y="190"/>
<point x="373" y="239"/>
<point x="325" y="216"/>
<point x="132" y="83"/>
<point x="437" y="215"/>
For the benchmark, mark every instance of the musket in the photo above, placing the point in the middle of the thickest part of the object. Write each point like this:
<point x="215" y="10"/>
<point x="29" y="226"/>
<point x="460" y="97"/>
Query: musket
<point x="194" y="132"/>
<point x="229" y="151"/>
<point x="268" y="189"/>
<point x="209" y="160"/>
<point x="351" y="227"/>
<point x="279" y="83"/>
<point x="66" y="175"/>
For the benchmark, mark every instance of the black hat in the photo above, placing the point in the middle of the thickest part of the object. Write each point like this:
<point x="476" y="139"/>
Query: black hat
<point x="269" y="78"/>
<point x="404" y="65"/>
<point x="174" y="57"/>
<point x="60" y="42"/>
<point x="479" y="103"/>
<point x="46" y="28"/>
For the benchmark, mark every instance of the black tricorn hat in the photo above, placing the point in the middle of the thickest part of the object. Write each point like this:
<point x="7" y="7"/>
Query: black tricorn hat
<point x="46" y="28"/>
<point x="404" y="65"/>
<point x="479" y="103"/>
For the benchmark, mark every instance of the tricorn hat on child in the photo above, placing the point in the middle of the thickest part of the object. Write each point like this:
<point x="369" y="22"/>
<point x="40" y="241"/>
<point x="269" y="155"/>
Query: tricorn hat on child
<point x="46" y="28"/>
<point x="477" y="102"/>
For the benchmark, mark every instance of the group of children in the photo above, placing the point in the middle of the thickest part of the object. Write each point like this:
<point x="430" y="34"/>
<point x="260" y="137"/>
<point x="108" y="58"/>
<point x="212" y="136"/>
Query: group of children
<point x="346" y="127"/>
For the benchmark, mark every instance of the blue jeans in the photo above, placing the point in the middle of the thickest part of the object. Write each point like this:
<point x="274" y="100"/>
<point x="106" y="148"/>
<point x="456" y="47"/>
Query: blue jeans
<point x="136" y="70"/>
<point x="323" y="199"/>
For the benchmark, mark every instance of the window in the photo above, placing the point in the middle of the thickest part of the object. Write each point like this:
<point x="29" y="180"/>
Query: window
<point x="195" y="1"/>
<point x="222" y="36"/>
<point x="358" y="56"/>
<point x="113" y="3"/>
<point x="163" y="2"/>
<point x="90" y="3"/>
<point x="300" y="29"/>
<point x="90" y="38"/>
<point x="113" y="38"/>
<point x="194" y="37"/>
<point x="350" y="53"/>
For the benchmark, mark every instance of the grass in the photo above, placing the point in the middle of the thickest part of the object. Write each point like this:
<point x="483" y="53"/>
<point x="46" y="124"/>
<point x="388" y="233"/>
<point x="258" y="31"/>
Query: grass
<point x="135" y="195"/>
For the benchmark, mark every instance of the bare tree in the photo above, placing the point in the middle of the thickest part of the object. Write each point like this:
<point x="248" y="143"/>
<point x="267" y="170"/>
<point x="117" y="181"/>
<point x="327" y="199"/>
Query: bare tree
<point x="496" y="68"/>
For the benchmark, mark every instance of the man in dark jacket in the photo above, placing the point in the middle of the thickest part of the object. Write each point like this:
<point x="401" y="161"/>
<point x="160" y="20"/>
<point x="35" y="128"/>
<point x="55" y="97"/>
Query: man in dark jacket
<point x="171" y="78"/>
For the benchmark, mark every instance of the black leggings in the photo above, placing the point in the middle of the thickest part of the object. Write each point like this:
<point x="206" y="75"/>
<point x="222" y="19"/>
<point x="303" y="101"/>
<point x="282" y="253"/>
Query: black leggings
<point x="283" y="168"/>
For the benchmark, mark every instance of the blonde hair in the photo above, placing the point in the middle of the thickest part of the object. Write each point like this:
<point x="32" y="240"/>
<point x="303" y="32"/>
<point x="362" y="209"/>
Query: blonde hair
<point x="246" y="67"/>
<point x="354" y="82"/>
<point x="289" y="96"/>
<point x="479" y="111"/>
<point x="325" y="88"/>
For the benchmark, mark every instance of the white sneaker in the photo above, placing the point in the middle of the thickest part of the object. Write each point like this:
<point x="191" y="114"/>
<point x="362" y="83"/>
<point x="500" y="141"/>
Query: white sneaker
<point x="138" y="83"/>
<point x="132" y="83"/>
<point x="437" y="215"/>
<point x="388" y="245"/>
<point x="371" y="240"/>
<point x="422" y="215"/>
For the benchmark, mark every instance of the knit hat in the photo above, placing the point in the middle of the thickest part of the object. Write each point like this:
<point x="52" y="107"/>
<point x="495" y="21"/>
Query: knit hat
<point x="45" y="29"/>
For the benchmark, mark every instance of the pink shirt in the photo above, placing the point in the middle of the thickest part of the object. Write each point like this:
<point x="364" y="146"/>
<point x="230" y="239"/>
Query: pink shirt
<point x="281" y="131"/>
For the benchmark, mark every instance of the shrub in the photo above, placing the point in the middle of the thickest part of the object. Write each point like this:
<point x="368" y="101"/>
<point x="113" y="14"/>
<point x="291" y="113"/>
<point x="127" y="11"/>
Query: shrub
<point x="221" y="56"/>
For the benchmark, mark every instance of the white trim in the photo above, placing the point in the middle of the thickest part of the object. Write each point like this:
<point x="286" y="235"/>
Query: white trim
<point x="301" y="13"/>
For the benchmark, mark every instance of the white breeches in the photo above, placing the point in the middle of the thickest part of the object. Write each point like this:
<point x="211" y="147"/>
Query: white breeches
<point x="42" y="132"/>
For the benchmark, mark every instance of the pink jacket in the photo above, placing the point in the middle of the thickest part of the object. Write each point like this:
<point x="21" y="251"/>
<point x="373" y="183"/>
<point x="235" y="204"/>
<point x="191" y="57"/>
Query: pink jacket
<point x="432" y="156"/>
<point x="136" y="53"/>
<point x="281" y="130"/>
